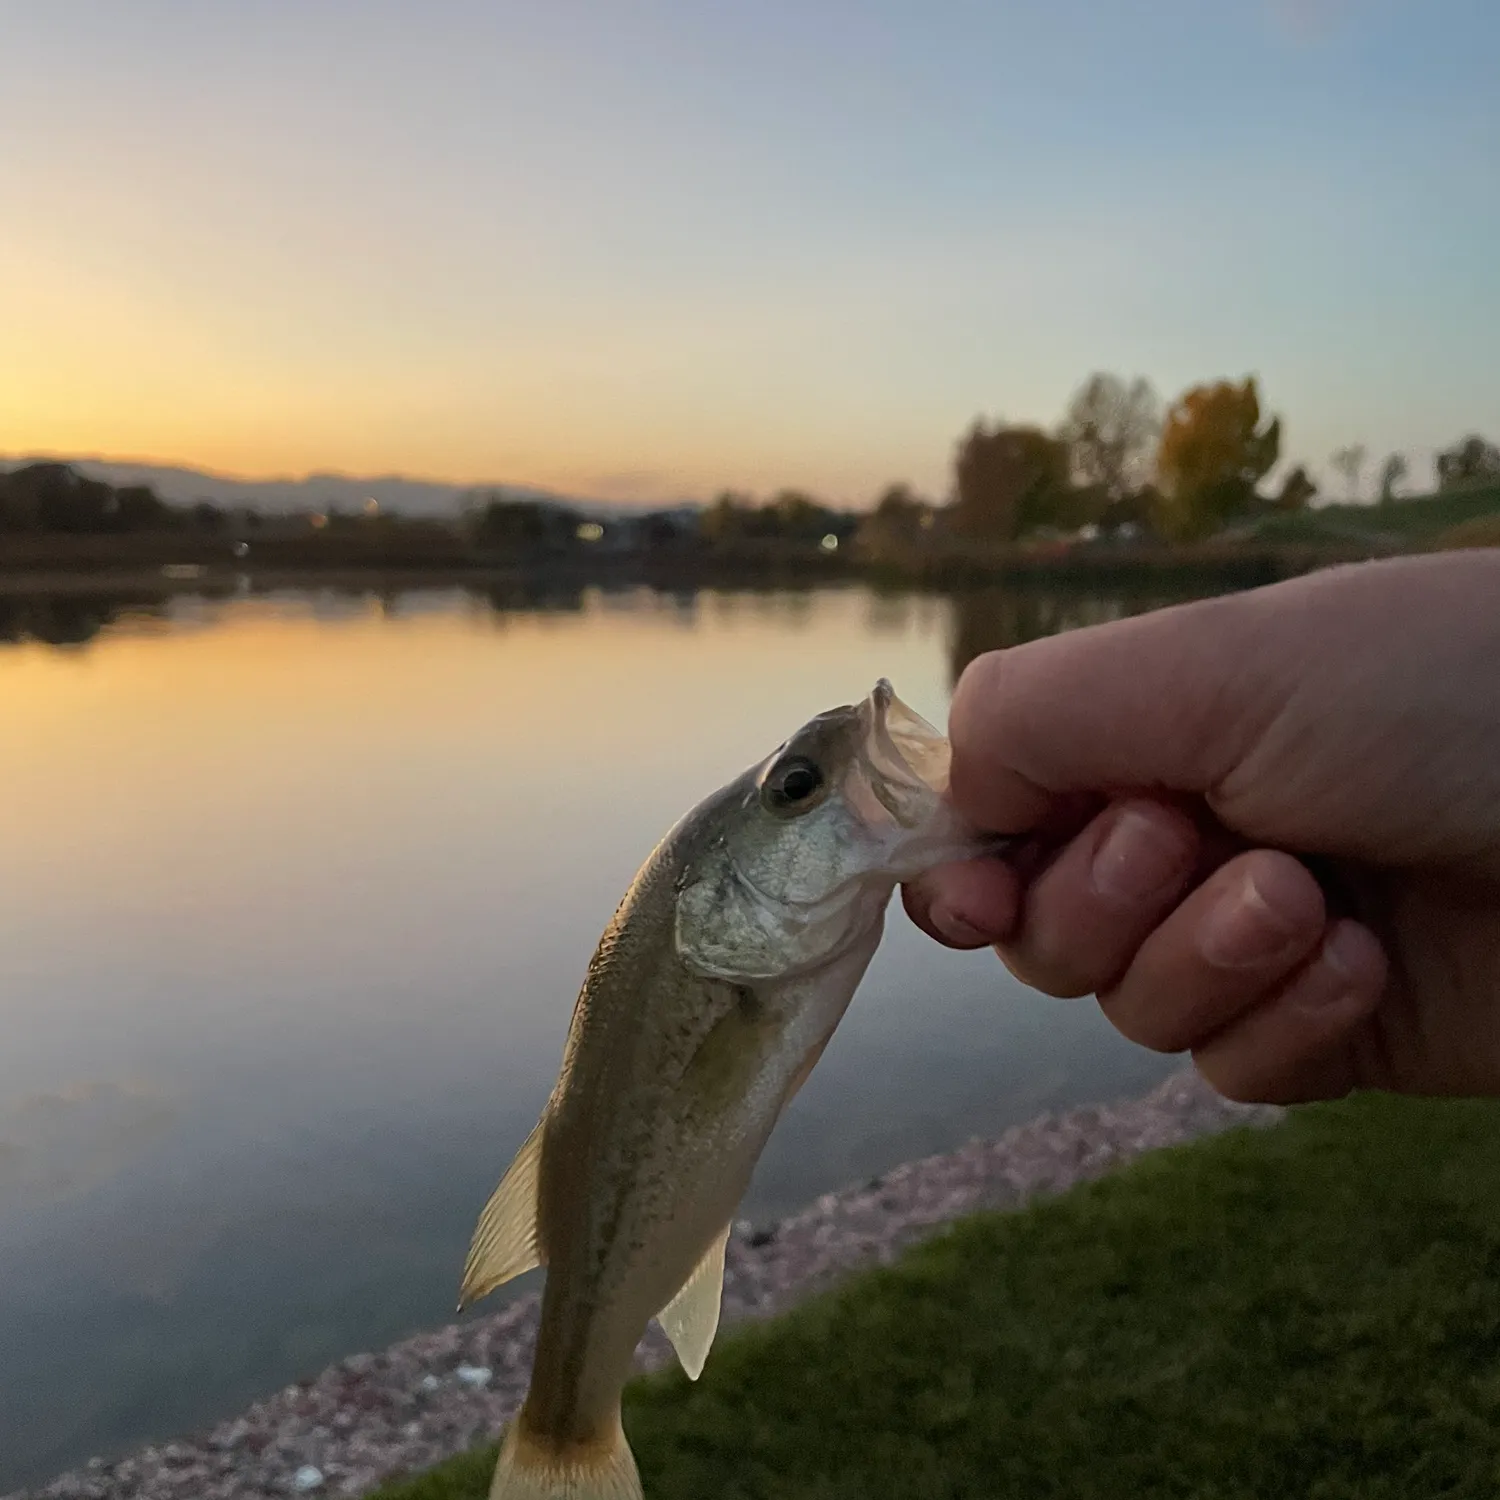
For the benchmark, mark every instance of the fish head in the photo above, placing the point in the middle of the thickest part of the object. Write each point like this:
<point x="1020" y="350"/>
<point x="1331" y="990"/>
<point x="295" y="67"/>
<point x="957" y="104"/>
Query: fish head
<point x="806" y="848"/>
<point x="857" y="792"/>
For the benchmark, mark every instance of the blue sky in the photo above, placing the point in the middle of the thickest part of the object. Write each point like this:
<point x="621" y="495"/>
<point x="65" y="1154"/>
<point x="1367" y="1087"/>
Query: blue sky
<point x="646" y="250"/>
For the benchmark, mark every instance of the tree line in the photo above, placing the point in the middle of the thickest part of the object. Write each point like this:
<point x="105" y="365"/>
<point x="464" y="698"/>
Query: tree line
<point x="56" y="499"/>
<point x="1118" y="462"/>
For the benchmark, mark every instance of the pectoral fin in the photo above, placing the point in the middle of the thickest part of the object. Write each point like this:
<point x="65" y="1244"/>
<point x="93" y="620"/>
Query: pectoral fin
<point x="505" y="1241"/>
<point x="691" y="1318"/>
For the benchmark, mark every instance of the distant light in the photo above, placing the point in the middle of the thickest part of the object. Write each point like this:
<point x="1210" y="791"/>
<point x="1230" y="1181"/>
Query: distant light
<point x="241" y="549"/>
<point x="830" y="543"/>
<point x="589" y="531"/>
<point x="372" y="506"/>
<point x="317" y="522"/>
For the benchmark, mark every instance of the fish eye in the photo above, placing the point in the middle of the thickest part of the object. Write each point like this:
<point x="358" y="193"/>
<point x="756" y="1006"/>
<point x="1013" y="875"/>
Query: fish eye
<point x="795" y="781"/>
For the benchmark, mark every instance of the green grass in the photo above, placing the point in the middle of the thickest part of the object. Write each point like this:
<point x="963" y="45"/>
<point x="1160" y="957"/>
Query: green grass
<point x="1480" y="531"/>
<point x="1312" y="1310"/>
<point x="1408" y="522"/>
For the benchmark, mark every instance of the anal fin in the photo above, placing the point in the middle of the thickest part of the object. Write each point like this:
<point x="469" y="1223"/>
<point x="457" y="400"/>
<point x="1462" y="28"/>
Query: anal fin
<point x="691" y="1318"/>
<point x="505" y="1240"/>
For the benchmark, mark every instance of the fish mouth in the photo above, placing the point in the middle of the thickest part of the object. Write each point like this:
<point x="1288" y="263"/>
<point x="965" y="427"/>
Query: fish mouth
<point x="904" y="764"/>
<point x="903" y="758"/>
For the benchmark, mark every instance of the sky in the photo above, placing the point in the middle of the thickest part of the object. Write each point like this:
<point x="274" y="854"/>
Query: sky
<point x="648" y="250"/>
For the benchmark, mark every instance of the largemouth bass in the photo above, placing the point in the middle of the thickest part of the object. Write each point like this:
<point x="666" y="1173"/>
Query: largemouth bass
<point x="710" y="998"/>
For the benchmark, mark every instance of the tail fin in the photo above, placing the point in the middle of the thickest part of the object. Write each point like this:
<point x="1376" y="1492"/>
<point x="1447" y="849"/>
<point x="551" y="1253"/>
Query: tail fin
<point x="532" y="1469"/>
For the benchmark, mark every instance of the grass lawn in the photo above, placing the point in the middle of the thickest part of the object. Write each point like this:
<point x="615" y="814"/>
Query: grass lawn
<point x="1312" y="1310"/>
<point x="1414" y="521"/>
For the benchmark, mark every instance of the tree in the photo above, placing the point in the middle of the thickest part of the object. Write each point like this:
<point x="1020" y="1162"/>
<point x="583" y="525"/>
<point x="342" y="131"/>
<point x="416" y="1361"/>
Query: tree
<point x="897" y="499"/>
<point x="900" y="511"/>
<point x="790" y="515"/>
<point x="1134" y="514"/>
<point x="900" y="521"/>
<point x="1213" y="453"/>
<point x="1349" y="462"/>
<point x="729" y="516"/>
<point x="1110" y="430"/>
<point x="1008" y="480"/>
<point x="665" y="528"/>
<point x="1392" y="472"/>
<point x="1296" y="491"/>
<point x="1470" y="461"/>
<point x="53" y="497"/>
<point x="526" y="525"/>
<point x="796" y="516"/>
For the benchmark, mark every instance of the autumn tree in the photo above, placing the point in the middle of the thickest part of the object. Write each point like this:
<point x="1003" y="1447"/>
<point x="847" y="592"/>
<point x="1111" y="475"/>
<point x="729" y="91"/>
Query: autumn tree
<point x="1213" y="453"/>
<point x="1350" y="462"/>
<point x="1392" y="472"/>
<point x="1008" y="480"/>
<point x="1296" y="491"/>
<point x="1471" y="461"/>
<point x="1110" y="430"/>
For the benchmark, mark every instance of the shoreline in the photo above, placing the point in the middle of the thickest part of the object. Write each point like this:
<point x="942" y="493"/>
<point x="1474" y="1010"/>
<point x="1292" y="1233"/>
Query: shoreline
<point x="375" y="1417"/>
<point x="194" y="567"/>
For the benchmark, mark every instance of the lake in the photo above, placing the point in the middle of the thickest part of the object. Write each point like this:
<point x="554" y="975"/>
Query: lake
<point x="298" y="890"/>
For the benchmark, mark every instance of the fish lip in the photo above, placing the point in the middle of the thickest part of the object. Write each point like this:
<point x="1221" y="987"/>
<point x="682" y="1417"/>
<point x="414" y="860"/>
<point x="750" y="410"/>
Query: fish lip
<point x="933" y="747"/>
<point x="900" y="761"/>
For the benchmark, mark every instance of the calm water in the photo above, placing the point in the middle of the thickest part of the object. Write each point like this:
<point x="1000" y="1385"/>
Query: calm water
<point x="297" y="894"/>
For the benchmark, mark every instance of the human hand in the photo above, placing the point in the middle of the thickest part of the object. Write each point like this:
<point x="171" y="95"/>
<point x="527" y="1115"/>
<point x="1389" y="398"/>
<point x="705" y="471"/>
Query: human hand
<point x="1265" y="828"/>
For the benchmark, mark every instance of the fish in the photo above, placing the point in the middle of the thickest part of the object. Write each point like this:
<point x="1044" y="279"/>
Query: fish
<point x="712" y="994"/>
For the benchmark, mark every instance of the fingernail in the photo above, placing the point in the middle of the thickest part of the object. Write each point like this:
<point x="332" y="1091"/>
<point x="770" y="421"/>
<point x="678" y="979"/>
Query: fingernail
<point x="1244" y="928"/>
<point x="956" y="928"/>
<point x="1139" y="858"/>
<point x="1343" y="949"/>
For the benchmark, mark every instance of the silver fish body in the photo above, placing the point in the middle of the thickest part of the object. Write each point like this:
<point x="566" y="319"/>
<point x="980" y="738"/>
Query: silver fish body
<point x="712" y="993"/>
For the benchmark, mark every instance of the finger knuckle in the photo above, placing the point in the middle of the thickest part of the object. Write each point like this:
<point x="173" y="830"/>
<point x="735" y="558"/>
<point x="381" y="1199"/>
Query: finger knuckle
<point x="1146" y="1020"/>
<point x="1039" y="972"/>
<point x="1230" y="1079"/>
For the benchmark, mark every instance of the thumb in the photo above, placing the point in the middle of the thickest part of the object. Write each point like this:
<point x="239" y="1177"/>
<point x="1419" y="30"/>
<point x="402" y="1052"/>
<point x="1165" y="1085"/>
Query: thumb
<point x="1169" y="701"/>
<point x="1349" y="712"/>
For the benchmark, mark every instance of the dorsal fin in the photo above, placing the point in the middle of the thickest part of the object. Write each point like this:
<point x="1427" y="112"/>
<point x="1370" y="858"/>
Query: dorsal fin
<point x="691" y="1318"/>
<point x="505" y="1240"/>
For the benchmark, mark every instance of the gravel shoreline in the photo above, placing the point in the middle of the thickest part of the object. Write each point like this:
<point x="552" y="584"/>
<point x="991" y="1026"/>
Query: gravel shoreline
<point x="373" y="1417"/>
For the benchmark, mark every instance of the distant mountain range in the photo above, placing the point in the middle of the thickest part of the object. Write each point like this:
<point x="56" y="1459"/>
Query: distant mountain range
<point x="314" y="492"/>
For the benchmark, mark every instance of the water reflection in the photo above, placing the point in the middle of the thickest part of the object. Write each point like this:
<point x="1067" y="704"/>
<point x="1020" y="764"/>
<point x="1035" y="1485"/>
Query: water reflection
<point x="981" y="619"/>
<point x="520" y="595"/>
<point x="993" y="619"/>
<point x="71" y="619"/>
